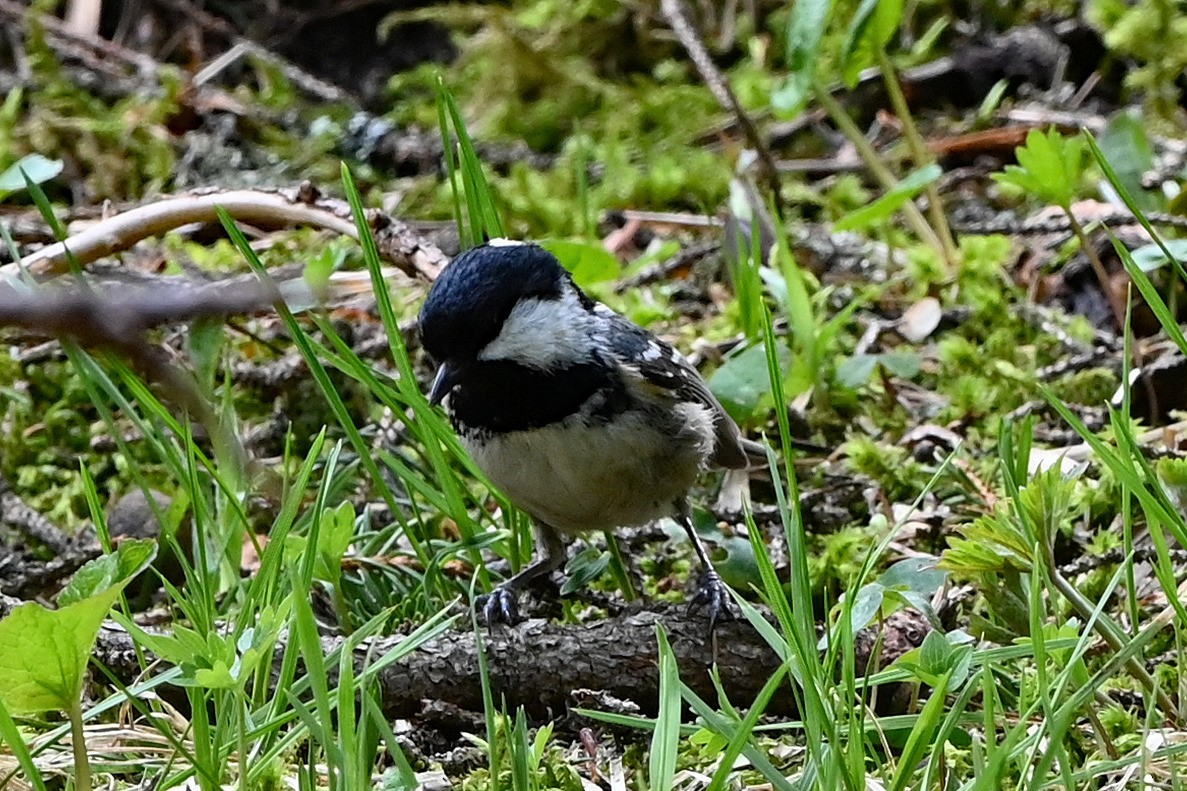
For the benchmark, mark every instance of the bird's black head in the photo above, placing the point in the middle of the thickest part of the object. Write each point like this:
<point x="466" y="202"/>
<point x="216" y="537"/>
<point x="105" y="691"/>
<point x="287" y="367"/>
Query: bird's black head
<point x="475" y="293"/>
<point x="513" y="337"/>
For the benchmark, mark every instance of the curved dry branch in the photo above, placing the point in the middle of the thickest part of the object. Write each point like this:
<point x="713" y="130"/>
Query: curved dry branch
<point x="302" y="206"/>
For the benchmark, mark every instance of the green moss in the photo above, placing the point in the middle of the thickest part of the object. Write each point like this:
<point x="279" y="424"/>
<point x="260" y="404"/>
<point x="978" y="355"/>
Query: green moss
<point x="835" y="560"/>
<point x="901" y="477"/>
<point x="1093" y="386"/>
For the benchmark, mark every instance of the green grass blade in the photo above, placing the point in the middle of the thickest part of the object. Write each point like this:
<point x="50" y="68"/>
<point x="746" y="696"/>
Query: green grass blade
<point x="665" y="741"/>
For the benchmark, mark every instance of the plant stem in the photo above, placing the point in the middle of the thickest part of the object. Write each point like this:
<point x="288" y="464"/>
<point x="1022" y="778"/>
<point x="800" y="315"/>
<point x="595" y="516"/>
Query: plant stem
<point x="1105" y="629"/>
<point x="922" y="156"/>
<point x="241" y="696"/>
<point x="82" y="764"/>
<point x="870" y="157"/>
<point x="1114" y="301"/>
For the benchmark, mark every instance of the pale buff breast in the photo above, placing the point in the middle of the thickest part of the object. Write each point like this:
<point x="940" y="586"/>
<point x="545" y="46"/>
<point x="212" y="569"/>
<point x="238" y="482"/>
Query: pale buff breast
<point x="575" y="477"/>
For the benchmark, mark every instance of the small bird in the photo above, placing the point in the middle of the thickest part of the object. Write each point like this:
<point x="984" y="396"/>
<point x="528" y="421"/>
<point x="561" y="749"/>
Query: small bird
<point x="585" y="420"/>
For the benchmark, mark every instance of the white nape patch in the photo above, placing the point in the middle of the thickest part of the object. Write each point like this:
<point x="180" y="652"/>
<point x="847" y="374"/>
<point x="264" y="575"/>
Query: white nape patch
<point x="500" y="242"/>
<point x="544" y="333"/>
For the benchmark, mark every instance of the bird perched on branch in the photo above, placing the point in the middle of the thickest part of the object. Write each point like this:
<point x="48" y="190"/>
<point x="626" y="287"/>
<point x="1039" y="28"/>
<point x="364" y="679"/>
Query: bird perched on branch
<point x="585" y="420"/>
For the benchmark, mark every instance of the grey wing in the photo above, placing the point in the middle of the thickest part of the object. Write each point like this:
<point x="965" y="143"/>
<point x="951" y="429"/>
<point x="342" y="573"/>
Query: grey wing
<point x="728" y="450"/>
<point x="665" y="368"/>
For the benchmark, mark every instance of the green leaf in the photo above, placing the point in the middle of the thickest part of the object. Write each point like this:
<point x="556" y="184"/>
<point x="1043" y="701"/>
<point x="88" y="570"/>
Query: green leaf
<point x="865" y="609"/>
<point x="742" y="381"/>
<point x="1127" y="147"/>
<point x="1049" y="167"/>
<point x="1151" y="256"/>
<point x="217" y="676"/>
<point x="587" y="263"/>
<point x="584" y="568"/>
<point x="205" y="344"/>
<point x="855" y="371"/>
<point x="935" y="653"/>
<point x="117" y="568"/>
<point x="918" y="575"/>
<point x="335" y="533"/>
<point x="873" y="25"/>
<point x="809" y="18"/>
<point x="44" y="653"/>
<point x="665" y="740"/>
<point x="34" y="167"/>
<point x="903" y="363"/>
<point x="319" y="268"/>
<point x="737" y="564"/>
<point x="877" y="212"/>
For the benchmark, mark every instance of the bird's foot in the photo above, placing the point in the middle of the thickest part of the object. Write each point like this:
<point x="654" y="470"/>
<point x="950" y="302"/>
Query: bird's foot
<point x="499" y="606"/>
<point x="714" y="595"/>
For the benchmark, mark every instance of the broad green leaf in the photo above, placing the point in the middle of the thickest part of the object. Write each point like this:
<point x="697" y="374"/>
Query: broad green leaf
<point x="865" y="609"/>
<point x="44" y="653"/>
<point x="1151" y="256"/>
<point x="35" y="167"/>
<point x="119" y="567"/>
<point x="734" y="560"/>
<point x="1127" y="147"/>
<point x="873" y="25"/>
<point x="217" y="676"/>
<point x="918" y="574"/>
<point x="903" y="363"/>
<point x="1049" y="167"/>
<point x="587" y="263"/>
<point x="584" y="568"/>
<point x="804" y="31"/>
<point x="742" y="381"/>
<point x="935" y="653"/>
<point x="855" y="371"/>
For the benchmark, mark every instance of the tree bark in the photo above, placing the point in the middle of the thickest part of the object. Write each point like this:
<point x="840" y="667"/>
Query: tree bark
<point x="539" y="665"/>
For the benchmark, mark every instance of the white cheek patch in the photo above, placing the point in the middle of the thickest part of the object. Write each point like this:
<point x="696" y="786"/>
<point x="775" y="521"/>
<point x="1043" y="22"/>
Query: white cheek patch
<point x="543" y="333"/>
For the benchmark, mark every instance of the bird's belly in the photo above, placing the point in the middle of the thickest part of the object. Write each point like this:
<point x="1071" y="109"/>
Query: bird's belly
<point x="576" y="477"/>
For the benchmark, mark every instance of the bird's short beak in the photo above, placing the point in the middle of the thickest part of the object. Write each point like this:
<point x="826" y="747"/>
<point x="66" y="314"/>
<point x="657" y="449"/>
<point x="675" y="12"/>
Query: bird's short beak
<point x="443" y="382"/>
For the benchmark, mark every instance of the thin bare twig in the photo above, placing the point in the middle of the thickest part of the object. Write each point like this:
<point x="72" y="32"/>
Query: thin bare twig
<point x="674" y="12"/>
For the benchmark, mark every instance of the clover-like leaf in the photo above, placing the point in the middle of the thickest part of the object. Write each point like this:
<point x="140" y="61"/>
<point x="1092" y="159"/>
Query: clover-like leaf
<point x="1049" y="167"/>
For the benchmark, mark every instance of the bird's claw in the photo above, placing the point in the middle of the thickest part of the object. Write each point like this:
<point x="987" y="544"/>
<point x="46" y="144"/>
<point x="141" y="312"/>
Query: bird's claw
<point x="499" y="606"/>
<point x="714" y="595"/>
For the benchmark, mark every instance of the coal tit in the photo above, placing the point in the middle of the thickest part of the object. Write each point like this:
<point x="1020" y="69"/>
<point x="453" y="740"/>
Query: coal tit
<point x="585" y="420"/>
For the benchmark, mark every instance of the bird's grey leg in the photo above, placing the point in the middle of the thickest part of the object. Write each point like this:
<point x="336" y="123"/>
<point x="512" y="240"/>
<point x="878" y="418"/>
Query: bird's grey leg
<point x="500" y="605"/>
<point x="712" y="590"/>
